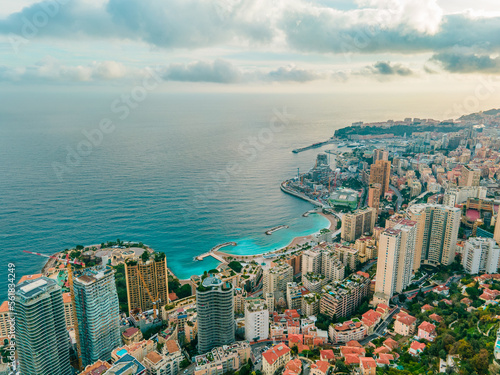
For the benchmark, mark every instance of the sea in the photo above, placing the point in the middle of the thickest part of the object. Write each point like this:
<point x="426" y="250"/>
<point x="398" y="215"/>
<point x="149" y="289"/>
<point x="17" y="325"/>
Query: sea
<point x="180" y="172"/>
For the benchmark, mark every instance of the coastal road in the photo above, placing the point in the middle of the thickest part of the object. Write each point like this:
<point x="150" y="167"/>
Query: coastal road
<point x="400" y="197"/>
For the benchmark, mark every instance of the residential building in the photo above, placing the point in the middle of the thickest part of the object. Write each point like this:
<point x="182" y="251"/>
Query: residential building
<point x="138" y="350"/>
<point x="437" y="233"/>
<point x="256" y="320"/>
<point x="310" y="304"/>
<point x="427" y="331"/>
<point x="293" y="295"/>
<point x="131" y="335"/>
<point x="405" y="324"/>
<point x="314" y="282"/>
<point x="395" y="260"/>
<point x="69" y="316"/>
<point x="97" y="368"/>
<point x="469" y="176"/>
<point x="481" y="255"/>
<point x="358" y="223"/>
<point x="367" y="366"/>
<point x="380" y="154"/>
<point x="349" y="256"/>
<point x="380" y="173"/>
<point x="276" y="278"/>
<point x="311" y="261"/>
<point x="374" y="193"/>
<point x="416" y="348"/>
<point x="269" y="301"/>
<point x="127" y="365"/>
<point x="275" y="358"/>
<point x="459" y="194"/>
<point x="221" y="360"/>
<point x="331" y="266"/>
<point x="215" y="308"/>
<point x="147" y="281"/>
<point x="165" y="363"/>
<point x="342" y="298"/>
<point x="347" y="331"/>
<point x="97" y="311"/>
<point x="42" y="341"/>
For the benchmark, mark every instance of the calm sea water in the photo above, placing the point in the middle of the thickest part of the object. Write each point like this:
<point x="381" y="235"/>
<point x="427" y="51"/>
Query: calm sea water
<point x="181" y="173"/>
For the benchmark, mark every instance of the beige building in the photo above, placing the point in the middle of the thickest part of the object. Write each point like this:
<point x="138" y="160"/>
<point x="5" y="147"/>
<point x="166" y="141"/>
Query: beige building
<point x="367" y="248"/>
<point x="275" y="358"/>
<point x="374" y="193"/>
<point x="131" y="335"/>
<point x="68" y="311"/>
<point x="380" y="154"/>
<point x="380" y="173"/>
<point x="165" y="363"/>
<point x="221" y="360"/>
<point x="469" y="176"/>
<point x="358" y="223"/>
<point x="437" y="233"/>
<point x="138" y="350"/>
<point x="147" y="282"/>
<point x="311" y="261"/>
<point x="276" y="278"/>
<point x="405" y="324"/>
<point x="395" y="260"/>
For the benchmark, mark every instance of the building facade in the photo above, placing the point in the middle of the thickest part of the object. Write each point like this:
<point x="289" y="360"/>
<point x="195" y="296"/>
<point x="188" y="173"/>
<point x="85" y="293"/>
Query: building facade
<point x="437" y="233"/>
<point x="98" y="313"/>
<point x="395" y="259"/>
<point x="42" y="341"/>
<point x="215" y="309"/>
<point x="380" y="173"/>
<point x="356" y="224"/>
<point x="481" y="255"/>
<point x="147" y="280"/>
<point x="256" y="320"/>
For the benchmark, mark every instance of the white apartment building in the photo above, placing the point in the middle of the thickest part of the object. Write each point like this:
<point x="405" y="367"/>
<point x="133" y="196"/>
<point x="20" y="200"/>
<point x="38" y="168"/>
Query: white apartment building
<point x="256" y="320"/>
<point x="395" y="259"/>
<point x="481" y="255"/>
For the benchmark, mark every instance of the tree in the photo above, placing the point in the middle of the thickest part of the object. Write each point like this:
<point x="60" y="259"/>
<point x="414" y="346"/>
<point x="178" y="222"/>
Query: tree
<point x="184" y="363"/>
<point x="235" y="265"/>
<point x="145" y="256"/>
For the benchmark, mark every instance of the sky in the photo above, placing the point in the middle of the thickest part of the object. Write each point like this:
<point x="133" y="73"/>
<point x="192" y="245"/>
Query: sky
<point x="251" y="45"/>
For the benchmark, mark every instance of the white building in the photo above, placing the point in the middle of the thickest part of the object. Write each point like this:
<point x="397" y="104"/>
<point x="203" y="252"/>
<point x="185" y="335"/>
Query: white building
<point x="459" y="194"/>
<point x="395" y="259"/>
<point x="256" y="320"/>
<point x="481" y="255"/>
<point x="311" y="262"/>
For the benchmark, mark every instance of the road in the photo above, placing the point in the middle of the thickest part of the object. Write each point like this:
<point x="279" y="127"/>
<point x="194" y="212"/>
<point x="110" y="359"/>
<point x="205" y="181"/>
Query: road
<point x="400" y="197"/>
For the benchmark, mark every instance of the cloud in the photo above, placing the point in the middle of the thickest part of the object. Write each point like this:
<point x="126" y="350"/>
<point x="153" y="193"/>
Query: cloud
<point x="388" y="69"/>
<point x="51" y="70"/>
<point x="371" y="26"/>
<point x="292" y="73"/>
<point x="467" y="62"/>
<point x="217" y="71"/>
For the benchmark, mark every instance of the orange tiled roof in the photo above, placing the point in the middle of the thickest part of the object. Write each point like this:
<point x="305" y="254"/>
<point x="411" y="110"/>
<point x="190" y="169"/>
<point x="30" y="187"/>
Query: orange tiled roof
<point x="275" y="352"/>
<point x="154" y="357"/>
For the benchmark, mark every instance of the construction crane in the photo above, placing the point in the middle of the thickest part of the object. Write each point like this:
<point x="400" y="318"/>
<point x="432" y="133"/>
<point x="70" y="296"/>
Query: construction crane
<point x="154" y="301"/>
<point x="72" y="293"/>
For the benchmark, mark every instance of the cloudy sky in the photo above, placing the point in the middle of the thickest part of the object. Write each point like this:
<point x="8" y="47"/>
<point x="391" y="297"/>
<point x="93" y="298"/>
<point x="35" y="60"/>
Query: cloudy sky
<point x="249" y="44"/>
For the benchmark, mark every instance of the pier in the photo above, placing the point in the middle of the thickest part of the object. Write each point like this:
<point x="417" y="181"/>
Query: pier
<point x="212" y="252"/>
<point x="272" y="230"/>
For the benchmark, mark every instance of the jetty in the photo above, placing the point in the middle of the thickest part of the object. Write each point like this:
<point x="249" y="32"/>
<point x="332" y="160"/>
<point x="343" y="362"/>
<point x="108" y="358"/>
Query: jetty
<point x="314" y="145"/>
<point x="213" y="250"/>
<point x="272" y="230"/>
